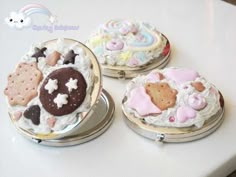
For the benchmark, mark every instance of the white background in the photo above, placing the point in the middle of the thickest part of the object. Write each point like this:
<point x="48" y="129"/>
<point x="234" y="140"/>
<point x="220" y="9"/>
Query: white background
<point x="203" y="37"/>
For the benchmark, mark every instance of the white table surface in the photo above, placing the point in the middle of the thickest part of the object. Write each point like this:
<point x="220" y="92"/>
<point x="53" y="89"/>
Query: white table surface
<point x="203" y="36"/>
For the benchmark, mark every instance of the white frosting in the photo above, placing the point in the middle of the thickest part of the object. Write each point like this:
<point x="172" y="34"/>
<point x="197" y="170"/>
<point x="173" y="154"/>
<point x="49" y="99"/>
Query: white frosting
<point x="51" y="85"/>
<point x="141" y="44"/>
<point x="72" y="84"/>
<point x="60" y="100"/>
<point x="82" y="64"/>
<point x="210" y="94"/>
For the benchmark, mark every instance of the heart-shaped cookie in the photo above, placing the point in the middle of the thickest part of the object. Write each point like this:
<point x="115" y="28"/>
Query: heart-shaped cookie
<point x="33" y="113"/>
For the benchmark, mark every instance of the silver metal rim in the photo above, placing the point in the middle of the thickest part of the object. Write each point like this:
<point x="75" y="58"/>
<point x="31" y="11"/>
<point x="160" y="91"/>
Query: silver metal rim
<point x="171" y="138"/>
<point x="173" y="134"/>
<point x="89" y="134"/>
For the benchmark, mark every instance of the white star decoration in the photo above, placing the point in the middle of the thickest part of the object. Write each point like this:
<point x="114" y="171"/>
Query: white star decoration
<point x="72" y="84"/>
<point x="60" y="100"/>
<point x="51" y="85"/>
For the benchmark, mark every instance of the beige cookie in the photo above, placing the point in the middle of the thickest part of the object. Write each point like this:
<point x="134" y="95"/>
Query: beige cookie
<point x="162" y="95"/>
<point x="198" y="86"/>
<point x="53" y="58"/>
<point x="23" y="83"/>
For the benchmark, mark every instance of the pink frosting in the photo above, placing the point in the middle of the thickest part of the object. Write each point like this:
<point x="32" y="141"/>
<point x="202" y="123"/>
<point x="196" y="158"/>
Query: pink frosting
<point x="181" y="75"/>
<point x="185" y="113"/>
<point x="197" y="101"/>
<point x="141" y="102"/>
<point x="133" y="62"/>
<point x="115" y="44"/>
<point x="126" y="29"/>
<point x="153" y="77"/>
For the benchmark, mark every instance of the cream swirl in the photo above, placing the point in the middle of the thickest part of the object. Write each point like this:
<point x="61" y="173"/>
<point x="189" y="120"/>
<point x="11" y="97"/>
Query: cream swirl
<point x="197" y="101"/>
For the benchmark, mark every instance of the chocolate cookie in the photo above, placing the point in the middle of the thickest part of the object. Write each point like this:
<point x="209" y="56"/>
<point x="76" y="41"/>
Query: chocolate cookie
<point x="63" y="91"/>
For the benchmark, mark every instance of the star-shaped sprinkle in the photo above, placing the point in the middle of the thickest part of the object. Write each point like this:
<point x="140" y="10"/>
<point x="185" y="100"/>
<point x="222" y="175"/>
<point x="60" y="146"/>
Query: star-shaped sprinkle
<point x="70" y="57"/>
<point x="60" y="100"/>
<point x="39" y="53"/>
<point x="125" y="55"/>
<point x="72" y="84"/>
<point x="51" y="85"/>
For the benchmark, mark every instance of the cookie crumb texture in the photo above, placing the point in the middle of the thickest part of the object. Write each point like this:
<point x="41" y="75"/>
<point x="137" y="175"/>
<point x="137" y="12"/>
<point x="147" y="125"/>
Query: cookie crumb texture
<point x="23" y="83"/>
<point x="127" y="43"/>
<point x="173" y="97"/>
<point x="50" y="87"/>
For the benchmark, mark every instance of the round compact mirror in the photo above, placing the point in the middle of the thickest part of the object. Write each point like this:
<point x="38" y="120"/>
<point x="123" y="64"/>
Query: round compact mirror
<point x="55" y="89"/>
<point x="126" y="49"/>
<point x="173" y="105"/>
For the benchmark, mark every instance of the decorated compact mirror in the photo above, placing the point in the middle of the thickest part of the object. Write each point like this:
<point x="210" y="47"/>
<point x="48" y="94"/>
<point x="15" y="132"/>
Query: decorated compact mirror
<point x="126" y="48"/>
<point x="173" y="105"/>
<point x="55" y="95"/>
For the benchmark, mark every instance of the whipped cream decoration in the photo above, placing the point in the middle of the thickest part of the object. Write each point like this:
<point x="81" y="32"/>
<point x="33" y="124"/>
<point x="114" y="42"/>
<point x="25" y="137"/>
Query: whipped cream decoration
<point x="191" y="107"/>
<point x="126" y="43"/>
<point x="82" y="64"/>
<point x="60" y="100"/>
<point x="72" y="84"/>
<point x="51" y="85"/>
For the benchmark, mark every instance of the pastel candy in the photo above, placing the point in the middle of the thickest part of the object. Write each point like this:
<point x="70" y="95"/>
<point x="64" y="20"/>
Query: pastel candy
<point x="181" y="75"/>
<point x="124" y="30"/>
<point x="133" y="62"/>
<point x="115" y="44"/>
<point x="184" y="113"/>
<point x="197" y="101"/>
<point x="127" y="29"/>
<point x="141" y="102"/>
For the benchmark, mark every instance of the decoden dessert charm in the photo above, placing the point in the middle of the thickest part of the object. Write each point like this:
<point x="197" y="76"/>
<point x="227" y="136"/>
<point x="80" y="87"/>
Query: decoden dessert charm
<point x="127" y="48"/>
<point x="173" y="105"/>
<point x="53" y="89"/>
